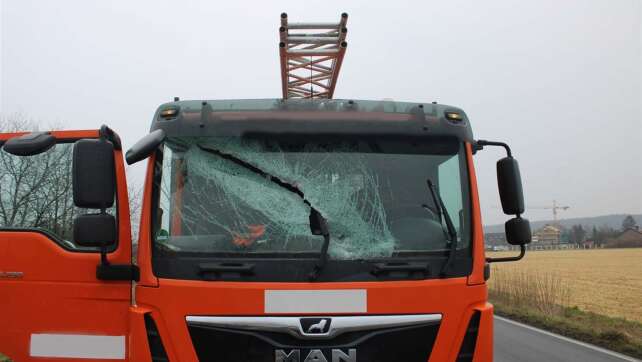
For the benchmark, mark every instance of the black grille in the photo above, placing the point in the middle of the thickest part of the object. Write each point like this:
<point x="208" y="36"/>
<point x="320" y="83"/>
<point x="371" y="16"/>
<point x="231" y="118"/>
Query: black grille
<point x="467" y="350"/>
<point x="156" y="348"/>
<point x="407" y="344"/>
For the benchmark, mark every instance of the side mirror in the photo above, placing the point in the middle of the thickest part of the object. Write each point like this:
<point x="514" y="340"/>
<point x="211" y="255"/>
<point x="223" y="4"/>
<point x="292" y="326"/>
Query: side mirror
<point x="95" y="230"/>
<point x="94" y="176"/>
<point x="145" y="146"/>
<point x="94" y="185"/>
<point x="518" y="231"/>
<point x="509" y="181"/>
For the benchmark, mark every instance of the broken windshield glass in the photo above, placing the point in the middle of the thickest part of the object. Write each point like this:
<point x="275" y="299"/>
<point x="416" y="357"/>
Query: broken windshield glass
<point x="212" y="204"/>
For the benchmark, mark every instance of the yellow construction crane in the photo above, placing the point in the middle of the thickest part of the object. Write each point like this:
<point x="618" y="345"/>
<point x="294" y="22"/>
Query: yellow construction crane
<point x="555" y="209"/>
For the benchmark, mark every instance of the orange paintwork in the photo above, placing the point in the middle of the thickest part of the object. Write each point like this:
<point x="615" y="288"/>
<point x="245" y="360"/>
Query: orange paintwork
<point x="137" y="341"/>
<point x="479" y="257"/>
<point x="75" y="134"/>
<point x="59" y="292"/>
<point x="454" y="298"/>
<point x="147" y="278"/>
<point x="171" y="300"/>
<point x="484" y="348"/>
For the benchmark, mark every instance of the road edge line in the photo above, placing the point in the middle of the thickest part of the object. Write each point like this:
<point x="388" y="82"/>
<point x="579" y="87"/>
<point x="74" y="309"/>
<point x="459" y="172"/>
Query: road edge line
<point x="571" y="340"/>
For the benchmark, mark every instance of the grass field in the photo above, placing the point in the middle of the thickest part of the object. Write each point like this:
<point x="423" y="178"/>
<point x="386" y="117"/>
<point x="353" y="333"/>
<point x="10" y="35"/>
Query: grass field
<point x="603" y="281"/>
<point x="591" y="295"/>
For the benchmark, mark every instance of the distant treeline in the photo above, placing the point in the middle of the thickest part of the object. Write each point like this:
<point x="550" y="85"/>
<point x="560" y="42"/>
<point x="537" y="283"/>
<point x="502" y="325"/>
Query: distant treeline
<point x="613" y="222"/>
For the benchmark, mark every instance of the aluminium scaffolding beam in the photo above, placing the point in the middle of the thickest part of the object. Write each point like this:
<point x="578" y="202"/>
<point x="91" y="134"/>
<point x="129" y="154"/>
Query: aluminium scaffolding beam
<point x="311" y="56"/>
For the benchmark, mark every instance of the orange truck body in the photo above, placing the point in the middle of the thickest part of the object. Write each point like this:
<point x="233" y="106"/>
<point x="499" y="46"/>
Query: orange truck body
<point x="58" y="294"/>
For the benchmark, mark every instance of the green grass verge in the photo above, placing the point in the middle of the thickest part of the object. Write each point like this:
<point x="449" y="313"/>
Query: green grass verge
<point x="4" y="358"/>
<point x="615" y="334"/>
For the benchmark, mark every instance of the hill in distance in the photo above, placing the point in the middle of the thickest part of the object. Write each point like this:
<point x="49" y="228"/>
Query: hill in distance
<point x="614" y="221"/>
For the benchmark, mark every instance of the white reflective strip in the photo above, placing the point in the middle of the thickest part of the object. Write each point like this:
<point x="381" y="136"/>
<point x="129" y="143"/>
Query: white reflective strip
<point x="77" y="346"/>
<point x="316" y="301"/>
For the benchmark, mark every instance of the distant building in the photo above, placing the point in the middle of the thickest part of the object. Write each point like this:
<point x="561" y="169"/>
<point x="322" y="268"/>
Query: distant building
<point x="587" y="244"/>
<point x="492" y="240"/>
<point x="547" y="235"/>
<point x="630" y="238"/>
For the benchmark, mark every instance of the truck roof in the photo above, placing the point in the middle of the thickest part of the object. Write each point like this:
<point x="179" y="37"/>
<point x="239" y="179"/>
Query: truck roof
<point x="306" y="116"/>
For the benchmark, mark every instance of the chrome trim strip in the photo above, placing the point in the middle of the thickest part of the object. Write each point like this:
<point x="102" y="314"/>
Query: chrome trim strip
<point x="292" y="325"/>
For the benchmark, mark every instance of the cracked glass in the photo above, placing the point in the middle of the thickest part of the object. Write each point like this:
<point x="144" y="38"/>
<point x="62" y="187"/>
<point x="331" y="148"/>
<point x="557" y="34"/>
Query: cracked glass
<point x="225" y="195"/>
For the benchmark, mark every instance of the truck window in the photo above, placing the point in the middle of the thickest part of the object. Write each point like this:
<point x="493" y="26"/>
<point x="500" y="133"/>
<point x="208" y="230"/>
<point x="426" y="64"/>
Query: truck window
<point x="372" y="192"/>
<point x="450" y="188"/>
<point x="36" y="194"/>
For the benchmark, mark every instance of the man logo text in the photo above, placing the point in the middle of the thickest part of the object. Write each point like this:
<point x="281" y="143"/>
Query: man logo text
<point x="315" y="355"/>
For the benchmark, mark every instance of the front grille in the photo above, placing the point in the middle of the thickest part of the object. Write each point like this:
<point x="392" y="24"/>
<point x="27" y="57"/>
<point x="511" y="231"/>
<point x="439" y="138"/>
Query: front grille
<point x="408" y="344"/>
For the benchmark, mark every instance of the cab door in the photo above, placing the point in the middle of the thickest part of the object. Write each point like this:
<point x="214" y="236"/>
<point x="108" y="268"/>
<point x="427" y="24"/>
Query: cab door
<point x="52" y="304"/>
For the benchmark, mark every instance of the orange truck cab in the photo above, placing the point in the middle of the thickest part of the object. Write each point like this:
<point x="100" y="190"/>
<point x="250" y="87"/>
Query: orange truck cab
<point x="271" y="231"/>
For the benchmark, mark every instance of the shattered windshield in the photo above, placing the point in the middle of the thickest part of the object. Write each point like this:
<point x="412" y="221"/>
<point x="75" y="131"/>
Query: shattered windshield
<point x="225" y="195"/>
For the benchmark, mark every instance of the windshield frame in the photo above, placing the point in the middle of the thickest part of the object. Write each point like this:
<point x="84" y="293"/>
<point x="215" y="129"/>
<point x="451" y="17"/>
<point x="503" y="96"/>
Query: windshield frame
<point x="268" y="265"/>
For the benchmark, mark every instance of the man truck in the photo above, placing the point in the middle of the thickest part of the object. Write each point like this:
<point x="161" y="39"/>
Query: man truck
<point x="276" y="230"/>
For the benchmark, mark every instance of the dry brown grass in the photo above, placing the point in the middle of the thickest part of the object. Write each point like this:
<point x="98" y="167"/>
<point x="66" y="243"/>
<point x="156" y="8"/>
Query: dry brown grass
<point x="546" y="292"/>
<point x="603" y="281"/>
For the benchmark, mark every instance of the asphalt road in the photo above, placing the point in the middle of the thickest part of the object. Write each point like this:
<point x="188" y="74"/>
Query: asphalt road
<point x="515" y="342"/>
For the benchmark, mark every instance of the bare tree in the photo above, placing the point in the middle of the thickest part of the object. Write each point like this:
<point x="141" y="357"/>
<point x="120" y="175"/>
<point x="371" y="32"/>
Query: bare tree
<point x="135" y="192"/>
<point x="35" y="191"/>
<point x="17" y="122"/>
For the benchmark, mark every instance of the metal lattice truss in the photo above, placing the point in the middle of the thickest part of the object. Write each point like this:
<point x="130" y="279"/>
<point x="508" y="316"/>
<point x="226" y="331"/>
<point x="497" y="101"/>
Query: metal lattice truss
<point x="311" y="57"/>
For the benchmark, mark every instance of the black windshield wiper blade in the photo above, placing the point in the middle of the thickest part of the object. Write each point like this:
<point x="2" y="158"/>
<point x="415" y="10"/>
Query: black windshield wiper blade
<point x="318" y="224"/>
<point x="442" y="211"/>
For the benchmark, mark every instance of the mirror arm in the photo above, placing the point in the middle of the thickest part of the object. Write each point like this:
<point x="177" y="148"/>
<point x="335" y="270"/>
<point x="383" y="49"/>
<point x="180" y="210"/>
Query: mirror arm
<point x="479" y="145"/>
<point x="107" y="271"/>
<point x="103" y="255"/>
<point x="522" y="252"/>
<point x="116" y="271"/>
<point x="103" y="248"/>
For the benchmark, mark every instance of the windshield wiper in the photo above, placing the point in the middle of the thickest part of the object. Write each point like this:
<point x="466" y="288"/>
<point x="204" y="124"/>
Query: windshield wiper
<point x="442" y="213"/>
<point x="318" y="224"/>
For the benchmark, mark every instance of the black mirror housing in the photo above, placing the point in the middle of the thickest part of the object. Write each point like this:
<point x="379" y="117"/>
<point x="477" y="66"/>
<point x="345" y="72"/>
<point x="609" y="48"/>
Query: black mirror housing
<point x="94" y="175"/>
<point x="518" y="231"/>
<point x="145" y="146"/>
<point x="509" y="181"/>
<point x="95" y="230"/>
<point x="30" y="144"/>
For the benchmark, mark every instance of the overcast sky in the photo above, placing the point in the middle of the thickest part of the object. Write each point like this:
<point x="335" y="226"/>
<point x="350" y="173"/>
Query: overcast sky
<point x="558" y="80"/>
